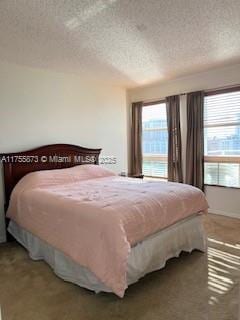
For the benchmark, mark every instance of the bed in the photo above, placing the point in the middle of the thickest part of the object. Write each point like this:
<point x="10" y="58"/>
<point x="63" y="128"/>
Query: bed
<point x="93" y="227"/>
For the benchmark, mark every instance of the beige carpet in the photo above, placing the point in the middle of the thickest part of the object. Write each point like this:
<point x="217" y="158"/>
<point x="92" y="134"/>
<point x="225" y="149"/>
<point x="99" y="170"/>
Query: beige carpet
<point x="194" y="286"/>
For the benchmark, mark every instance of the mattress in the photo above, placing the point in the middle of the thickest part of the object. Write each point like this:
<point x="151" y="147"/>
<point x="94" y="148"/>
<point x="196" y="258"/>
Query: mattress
<point x="93" y="216"/>
<point x="148" y="255"/>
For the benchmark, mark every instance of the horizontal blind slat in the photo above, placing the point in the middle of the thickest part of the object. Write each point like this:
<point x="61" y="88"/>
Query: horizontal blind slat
<point x="155" y="140"/>
<point x="222" y="138"/>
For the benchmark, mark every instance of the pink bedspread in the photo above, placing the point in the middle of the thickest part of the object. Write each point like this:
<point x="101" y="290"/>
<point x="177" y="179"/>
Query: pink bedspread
<point x="94" y="216"/>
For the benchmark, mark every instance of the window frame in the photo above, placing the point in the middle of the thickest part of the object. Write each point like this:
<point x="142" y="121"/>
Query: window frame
<point x="221" y="159"/>
<point x="155" y="156"/>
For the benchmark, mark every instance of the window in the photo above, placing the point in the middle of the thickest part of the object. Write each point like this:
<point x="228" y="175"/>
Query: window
<point x="155" y="140"/>
<point x="222" y="138"/>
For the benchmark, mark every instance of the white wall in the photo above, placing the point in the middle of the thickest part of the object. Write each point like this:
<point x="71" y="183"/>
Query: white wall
<point x="202" y="81"/>
<point x="40" y="107"/>
<point x="221" y="200"/>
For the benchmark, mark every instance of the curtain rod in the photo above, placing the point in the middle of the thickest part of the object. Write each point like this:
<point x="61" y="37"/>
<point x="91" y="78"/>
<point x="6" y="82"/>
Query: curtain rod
<point x="185" y="93"/>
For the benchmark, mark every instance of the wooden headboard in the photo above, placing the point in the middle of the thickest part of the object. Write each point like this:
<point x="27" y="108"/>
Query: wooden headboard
<point x="49" y="157"/>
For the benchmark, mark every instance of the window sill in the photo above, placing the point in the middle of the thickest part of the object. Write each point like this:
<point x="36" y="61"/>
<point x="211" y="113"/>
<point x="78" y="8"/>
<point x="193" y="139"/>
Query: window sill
<point x="155" y="178"/>
<point x="220" y="186"/>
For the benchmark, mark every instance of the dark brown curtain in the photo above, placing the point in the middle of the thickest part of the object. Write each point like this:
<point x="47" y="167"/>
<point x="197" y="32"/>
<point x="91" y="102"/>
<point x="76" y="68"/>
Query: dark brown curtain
<point x="174" y="140"/>
<point x="195" y="140"/>
<point x="136" y="138"/>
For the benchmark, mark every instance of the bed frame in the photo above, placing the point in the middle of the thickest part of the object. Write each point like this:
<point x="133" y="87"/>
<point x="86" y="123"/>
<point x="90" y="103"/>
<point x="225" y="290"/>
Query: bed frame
<point x="48" y="157"/>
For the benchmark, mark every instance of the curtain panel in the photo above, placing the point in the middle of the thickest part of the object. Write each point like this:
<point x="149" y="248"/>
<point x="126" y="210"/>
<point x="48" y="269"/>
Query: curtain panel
<point x="136" y="138"/>
<point x="195" y="140"/>
<point x="175" y="173"/>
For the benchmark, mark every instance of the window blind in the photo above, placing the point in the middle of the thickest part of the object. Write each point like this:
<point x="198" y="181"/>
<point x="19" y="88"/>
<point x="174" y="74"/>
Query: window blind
<point x="222" y="139"/>
<point x="155" y="140"/>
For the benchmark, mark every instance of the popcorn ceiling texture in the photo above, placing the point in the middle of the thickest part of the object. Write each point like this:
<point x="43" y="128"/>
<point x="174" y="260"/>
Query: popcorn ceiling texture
<point x="122" y="42"/>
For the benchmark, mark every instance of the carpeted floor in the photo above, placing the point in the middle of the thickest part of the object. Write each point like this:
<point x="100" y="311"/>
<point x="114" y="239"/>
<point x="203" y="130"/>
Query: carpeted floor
<point x="193" y="287"/>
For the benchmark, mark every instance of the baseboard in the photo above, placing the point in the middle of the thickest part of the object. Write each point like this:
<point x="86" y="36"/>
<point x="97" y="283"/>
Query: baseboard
<point x="224" y="213"/>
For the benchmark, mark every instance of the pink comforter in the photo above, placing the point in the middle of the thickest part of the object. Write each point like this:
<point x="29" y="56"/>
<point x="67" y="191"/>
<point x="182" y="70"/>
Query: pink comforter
<point x="94" y="216"/>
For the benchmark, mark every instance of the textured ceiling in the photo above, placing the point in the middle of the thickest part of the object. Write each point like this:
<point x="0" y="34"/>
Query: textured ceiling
<point x="123" y="42"/>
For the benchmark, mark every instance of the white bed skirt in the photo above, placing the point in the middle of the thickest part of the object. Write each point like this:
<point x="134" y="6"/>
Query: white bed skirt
<point x="149" y="255"/>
